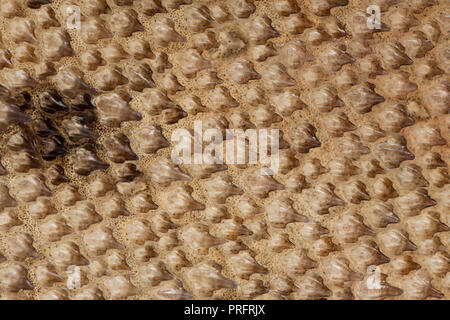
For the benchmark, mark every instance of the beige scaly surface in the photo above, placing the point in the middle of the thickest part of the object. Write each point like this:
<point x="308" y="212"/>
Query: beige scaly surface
<point x="92" y="206"/>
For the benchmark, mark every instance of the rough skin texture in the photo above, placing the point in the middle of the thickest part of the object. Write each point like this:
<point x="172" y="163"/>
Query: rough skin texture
<point x="92" y="206"/>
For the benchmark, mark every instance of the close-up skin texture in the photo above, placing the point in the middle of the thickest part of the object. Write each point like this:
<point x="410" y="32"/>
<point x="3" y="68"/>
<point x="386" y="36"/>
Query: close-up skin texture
<point x="98" y="97"/>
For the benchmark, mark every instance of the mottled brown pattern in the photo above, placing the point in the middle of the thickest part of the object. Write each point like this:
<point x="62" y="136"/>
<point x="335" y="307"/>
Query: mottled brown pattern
<point x="87" y="183"/>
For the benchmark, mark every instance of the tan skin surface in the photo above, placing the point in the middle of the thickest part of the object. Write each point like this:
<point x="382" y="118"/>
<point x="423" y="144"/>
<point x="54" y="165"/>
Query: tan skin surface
<point x="364" y="178"/>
